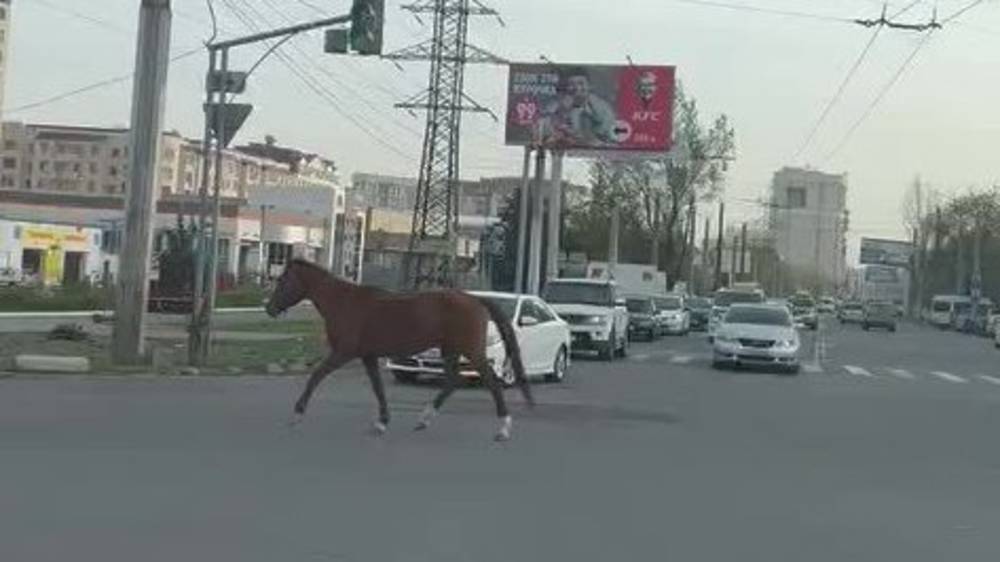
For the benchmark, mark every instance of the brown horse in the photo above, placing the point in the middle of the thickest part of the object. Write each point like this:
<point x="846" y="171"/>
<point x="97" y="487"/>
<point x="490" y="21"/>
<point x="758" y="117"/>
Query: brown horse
<point x="367" y="323"/>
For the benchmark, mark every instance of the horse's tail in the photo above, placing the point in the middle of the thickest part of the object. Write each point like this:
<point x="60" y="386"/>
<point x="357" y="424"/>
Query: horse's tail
<point x="511" y="346"/>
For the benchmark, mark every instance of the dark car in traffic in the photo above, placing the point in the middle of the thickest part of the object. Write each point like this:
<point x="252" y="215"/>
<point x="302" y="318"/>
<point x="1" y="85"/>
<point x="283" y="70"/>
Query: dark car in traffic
<point x="700" y="309"/>
<point x="879" y="315"/>
<point x="642" y="319"/>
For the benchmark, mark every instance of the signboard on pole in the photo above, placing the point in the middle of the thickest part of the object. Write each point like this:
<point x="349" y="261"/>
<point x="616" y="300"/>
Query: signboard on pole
<point x="876" y="251"/>
<point x="603" y="108"/>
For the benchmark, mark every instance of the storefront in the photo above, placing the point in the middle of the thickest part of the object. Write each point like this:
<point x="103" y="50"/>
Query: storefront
<point x="50" y="254"/>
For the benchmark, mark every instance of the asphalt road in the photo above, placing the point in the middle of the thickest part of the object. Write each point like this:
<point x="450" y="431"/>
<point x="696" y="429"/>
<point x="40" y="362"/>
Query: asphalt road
<point x="884" y="448"/>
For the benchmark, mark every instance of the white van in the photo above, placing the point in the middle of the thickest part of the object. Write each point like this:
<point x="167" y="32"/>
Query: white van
<point x="944" y="309"/>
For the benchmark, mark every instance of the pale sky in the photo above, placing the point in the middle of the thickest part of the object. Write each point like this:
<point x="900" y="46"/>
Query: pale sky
<point x="771" y="74"/>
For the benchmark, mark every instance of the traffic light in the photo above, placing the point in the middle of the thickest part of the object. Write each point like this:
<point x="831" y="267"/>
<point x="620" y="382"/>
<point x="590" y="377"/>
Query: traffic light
<point x="367" y="17"/>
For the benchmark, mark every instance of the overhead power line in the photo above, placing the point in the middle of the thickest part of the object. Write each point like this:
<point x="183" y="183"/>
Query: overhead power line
<point x="840" y="91"/>
<point x="772" y="11"/>
<point x="882" y="93"/>
<point x="94" y="86"/>
<point x="962" y="11"/>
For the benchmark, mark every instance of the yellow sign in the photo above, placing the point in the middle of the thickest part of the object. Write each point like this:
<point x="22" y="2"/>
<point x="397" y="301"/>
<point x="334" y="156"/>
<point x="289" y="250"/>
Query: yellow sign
<point x="46" y="238"/>
<point x="52" y="267"/>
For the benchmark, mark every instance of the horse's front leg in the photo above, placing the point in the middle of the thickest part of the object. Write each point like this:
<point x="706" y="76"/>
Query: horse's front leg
<point x="371" y="367"/>
<point x="327" y="366"/>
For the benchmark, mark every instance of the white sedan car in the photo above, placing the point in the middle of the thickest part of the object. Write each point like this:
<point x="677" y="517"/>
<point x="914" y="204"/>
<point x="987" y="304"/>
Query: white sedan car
<point x="757" y="335"/>
<point x="543" y="336"/>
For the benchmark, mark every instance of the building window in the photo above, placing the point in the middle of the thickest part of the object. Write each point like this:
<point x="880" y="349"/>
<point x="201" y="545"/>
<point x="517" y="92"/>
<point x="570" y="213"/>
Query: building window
<point x="43" y="166"/>
<point x="9" y="144"/>
<point x="796" y="197"/>
<point x="10" y="163"/>
<point x="113" y="170"/>
<point x="115" y="152"/>
<point x="94" y="150"/>
<point x="6" y="181"/>
<point x="3" y="13"/>
<point x="93" y="167"/>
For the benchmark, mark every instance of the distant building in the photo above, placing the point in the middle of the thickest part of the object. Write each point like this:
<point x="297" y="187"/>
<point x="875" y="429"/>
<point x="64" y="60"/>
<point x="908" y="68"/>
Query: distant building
<point x="808" y="223"/>
<point x="54" y="177"/>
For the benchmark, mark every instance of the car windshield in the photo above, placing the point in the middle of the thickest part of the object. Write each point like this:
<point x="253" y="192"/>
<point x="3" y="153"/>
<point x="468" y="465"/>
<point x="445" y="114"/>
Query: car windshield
<point x="767" y="316"/>
<point x="699" y="303"/>
<point x="507" y="305"/>
<point x="941" y="306"/>
<point x="727" y="298"/>
<point x="801" y="301"/>
<point x="578" y="293"/>
<point x="668" y="303"/>
<point x="639" y="306"/>
<point x="881" y="308"/>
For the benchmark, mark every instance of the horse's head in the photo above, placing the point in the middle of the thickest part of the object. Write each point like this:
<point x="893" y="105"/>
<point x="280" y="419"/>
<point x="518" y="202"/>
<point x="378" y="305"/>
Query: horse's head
<point x="289" y="291"/>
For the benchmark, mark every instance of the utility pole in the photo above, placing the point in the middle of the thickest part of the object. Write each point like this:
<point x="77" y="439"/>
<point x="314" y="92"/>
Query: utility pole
<point x="692" y="241"/>
<point x="743" y="250"/>
<point x="704" y="254"/>
<point x="522" y="222"/>
<point x="148" y="100"/>
<point x="535" y="238"/>
<point x="718" y="246"/>
<point x="613" y="241"/>
<point x="555" y="213"/>
<point x="732" y="269"/>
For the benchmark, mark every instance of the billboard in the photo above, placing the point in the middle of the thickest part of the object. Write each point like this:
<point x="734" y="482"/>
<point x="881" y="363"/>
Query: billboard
<point x="875" y="251"/>
<point x="591" y="107"/>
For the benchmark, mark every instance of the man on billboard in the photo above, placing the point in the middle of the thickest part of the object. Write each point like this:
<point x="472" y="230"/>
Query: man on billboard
<point x="577" y="117"/>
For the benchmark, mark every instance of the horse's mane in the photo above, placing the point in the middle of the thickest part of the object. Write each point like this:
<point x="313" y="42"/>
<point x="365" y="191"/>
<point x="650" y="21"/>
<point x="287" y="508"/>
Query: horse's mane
<point x="329" y="275"/>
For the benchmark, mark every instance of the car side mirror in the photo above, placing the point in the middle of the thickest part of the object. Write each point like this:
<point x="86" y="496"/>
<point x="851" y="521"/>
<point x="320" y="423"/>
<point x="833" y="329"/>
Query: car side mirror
<point x="529" y="321"/>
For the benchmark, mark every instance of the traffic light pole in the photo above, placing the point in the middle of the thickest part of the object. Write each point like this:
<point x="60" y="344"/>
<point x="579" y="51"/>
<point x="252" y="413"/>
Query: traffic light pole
<point x="206" y="263"/>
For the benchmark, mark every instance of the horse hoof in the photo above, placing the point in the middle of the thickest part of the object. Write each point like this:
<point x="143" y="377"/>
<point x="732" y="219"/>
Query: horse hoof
<point x="502" y="435"/>
<point x="296" y="420"/>
<point x="380" y="428"/>
<point x="421" y="426"/>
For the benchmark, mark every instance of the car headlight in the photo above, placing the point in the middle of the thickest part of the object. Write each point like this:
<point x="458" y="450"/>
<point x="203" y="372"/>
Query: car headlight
<point x="596" y="319"/>
<point x="787" y="344"/>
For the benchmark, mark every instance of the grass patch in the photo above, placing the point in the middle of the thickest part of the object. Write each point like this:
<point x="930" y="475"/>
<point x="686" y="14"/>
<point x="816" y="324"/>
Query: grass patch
<point x="48" y="299"/>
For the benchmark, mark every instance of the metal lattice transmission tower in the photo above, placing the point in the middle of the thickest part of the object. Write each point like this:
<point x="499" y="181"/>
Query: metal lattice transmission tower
<point x="430" y="256"/>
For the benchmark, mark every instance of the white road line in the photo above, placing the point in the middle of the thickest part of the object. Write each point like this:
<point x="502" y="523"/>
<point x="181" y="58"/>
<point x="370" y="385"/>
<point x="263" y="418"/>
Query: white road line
<point x="812" y="368"/>
<point x="641" y="357"/>
<point x="948" y="377"/>
<point x="859" y="371"/>
<point x="682" y="359"/>
<point x="989" y="379"/>
<point x="902" y="374"/>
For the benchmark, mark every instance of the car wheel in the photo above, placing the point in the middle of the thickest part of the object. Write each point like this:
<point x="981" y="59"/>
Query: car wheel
<point x="892" y="329"/>
<point x="405" y="377"/>
<point x="608" y="350"/>
<point x="558" y="373"/>
<point x="864" y="327"/>
<point x="623" y="351"/>
<point x="506" y="374"/>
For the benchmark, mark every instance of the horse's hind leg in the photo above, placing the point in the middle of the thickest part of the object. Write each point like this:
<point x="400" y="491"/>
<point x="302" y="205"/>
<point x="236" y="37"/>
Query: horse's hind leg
<point x="493" y="385"/>
<point x="451" y="381"/>
<point x="371" y="367"/>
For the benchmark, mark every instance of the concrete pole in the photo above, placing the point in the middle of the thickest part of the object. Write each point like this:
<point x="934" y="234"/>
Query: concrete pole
<point x="213" y="251"/>
<point x="198" y="298"/>
<point x="522" y="222"/>
<point x="535" y="242"/>
<point x="148" y="100"/>
<point x="616" y="220"/>
<point x="263" y="245"/>
<point x="718" y="246"/>
<point x="743" y="249"/>
<point x="692" y="242"/>
<point x="555" y="214"/>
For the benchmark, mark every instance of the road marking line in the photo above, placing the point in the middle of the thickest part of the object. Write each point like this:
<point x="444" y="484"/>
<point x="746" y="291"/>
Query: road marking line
<point x="990" y="379"/>
<point x="682" y="359"/>
<point x="948" y="377"/>
<point x="859" y="371"/>
<point x="902" y="374"/>
<point x="641" y="357"/>
<point x="812" y="368"/>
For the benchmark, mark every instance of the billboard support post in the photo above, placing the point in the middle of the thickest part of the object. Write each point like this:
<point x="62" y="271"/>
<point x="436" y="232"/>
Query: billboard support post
<point x="555" y="212"/>
<point x="522" y="221"/>
<point x="535" y="241"/>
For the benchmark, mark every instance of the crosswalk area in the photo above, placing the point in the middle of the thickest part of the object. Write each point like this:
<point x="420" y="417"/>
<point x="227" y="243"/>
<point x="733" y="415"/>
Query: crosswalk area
<point x="829" y="369"/>
<point x="908" y="375"/>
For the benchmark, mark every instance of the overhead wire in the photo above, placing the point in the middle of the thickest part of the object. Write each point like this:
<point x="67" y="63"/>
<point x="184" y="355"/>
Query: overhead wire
<point x="90" y="87"/>
<point x="882" y="93"/>
<point x="961" y="11"/>
<point x="762" y="10"/>
<point x="319" y="89"/>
